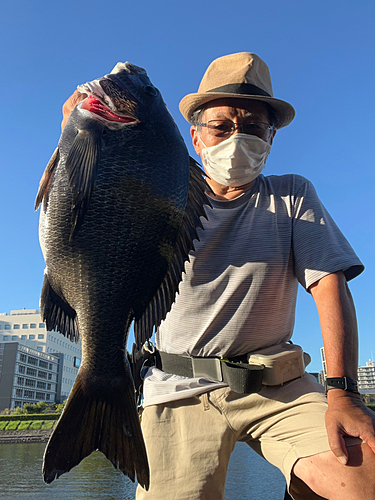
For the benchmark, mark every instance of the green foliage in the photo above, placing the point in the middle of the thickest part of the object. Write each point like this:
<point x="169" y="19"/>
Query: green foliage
<point x="28" y="408"/>
<point x="48" y="425"/>
<point x="18" y="411"/>
<point x="27" y="424"/>
<point x="372" y="407"/>
<point x="60" y="407"/>
<point x="6" y="411"/>
<point x="36" y="425"/>
<point x="3" y="424"/>
<point x="12" y="426"/>
<point x="22" y="417"/>
<point x="38" y="407"/>
<point x="23" y="426"/>
<point x="50" y="408"/>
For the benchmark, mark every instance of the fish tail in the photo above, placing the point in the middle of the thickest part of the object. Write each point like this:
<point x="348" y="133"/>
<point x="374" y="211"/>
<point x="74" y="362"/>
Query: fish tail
<point x="100" y="414"/>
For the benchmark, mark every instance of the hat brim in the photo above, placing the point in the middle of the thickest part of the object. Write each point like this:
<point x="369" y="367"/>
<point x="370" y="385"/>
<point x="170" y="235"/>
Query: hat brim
<point x="284" y="111"/>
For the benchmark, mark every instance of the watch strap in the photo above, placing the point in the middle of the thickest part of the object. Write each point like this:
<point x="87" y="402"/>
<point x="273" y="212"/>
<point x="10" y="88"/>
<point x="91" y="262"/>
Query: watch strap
<point x="344" y="383"/>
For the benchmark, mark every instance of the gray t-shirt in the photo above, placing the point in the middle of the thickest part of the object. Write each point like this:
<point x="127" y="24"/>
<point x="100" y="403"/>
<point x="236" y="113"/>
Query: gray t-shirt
<point x="239" y="292"/>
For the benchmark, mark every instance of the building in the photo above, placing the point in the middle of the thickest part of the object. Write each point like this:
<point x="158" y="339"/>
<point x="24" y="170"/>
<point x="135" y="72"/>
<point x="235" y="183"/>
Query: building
<point x="26" y="327"/>
<point x="28" y="376"/>
<point x="324" y="364"/>
<point x="366" y="377"/>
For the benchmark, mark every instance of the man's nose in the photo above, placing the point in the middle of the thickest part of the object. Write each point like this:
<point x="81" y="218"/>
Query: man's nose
<point x="238" y="128"/>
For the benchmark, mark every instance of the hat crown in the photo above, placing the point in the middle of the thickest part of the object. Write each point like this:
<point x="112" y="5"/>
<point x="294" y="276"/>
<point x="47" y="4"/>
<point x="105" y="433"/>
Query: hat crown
<point x="243" y="67"/>
<point x="237" y="76"/>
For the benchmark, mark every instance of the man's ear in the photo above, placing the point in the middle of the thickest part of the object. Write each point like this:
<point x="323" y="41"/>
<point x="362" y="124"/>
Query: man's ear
<point x="195" y="140"/>
<point x="273" y="133"/>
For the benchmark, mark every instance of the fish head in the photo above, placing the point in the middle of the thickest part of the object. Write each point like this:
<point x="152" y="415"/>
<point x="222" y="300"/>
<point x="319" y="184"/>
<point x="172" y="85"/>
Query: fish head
<point x="124" y="96"/>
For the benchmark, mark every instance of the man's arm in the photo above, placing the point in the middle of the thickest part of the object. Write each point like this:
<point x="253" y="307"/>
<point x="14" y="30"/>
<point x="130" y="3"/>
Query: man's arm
<point x="346" y="414"/>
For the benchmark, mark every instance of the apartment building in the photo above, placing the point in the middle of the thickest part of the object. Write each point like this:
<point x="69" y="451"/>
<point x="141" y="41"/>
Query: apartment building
<point x="26" y="327"/>
<point x="366" y="377"/>
<point x="28" y="376"/>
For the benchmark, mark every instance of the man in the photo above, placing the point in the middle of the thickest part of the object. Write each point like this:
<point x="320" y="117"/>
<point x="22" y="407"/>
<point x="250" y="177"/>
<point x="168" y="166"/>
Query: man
<point x="263" y="236"/>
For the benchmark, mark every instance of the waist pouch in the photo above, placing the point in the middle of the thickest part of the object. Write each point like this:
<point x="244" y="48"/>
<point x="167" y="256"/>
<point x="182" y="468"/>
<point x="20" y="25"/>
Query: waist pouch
<point x="246" y="374"/>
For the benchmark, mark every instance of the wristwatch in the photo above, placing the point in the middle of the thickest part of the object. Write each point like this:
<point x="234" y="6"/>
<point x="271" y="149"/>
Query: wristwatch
<point x="344" y="383"/>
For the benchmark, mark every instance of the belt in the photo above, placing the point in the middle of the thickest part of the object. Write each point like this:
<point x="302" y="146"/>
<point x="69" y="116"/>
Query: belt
<point x="240" y="376"/>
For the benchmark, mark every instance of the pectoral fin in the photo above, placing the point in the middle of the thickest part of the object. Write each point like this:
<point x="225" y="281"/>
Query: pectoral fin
<point x="82" y="166"/>
<point x="57" y="313"/>
<point x="46" y="180"/>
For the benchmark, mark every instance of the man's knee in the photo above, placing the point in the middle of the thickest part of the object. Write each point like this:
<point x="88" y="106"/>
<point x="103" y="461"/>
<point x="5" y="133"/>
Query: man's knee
<point x="327" y="477"/>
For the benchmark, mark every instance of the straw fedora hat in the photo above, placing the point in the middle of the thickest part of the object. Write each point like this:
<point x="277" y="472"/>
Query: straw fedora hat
<point x="243" y="75"/>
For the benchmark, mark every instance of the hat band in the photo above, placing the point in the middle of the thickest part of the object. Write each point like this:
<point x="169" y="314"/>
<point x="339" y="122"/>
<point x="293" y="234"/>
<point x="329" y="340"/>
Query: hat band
<point x="241" y="88"/>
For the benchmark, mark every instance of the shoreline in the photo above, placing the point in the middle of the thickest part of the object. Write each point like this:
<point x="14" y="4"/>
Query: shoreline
<point x="27" y="436"/>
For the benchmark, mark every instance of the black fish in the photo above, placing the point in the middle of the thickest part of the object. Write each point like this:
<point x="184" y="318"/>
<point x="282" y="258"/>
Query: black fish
<point x="121" y="203"/>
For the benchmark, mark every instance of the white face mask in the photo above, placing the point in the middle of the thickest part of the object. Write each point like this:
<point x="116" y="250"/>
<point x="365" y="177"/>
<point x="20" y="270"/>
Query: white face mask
<point x="236" y="161"/>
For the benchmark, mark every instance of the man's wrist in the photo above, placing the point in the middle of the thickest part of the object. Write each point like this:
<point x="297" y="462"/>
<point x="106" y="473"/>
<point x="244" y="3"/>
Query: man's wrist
<point x="344" y="383"/>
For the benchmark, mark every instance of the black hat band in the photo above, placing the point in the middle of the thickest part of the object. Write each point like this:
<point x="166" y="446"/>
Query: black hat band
<point x="241" y="88"/>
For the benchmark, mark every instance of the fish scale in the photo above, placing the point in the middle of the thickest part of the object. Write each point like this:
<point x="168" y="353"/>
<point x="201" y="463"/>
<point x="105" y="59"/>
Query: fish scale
<point x="121" y="202"/>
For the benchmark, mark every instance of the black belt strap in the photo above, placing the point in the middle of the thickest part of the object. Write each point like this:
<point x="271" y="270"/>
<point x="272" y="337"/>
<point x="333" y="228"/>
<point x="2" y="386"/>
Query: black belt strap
<point x="241" y="377"/>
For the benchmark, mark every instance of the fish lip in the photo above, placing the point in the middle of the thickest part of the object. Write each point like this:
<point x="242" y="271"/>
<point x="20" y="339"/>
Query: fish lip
<point x="95" y="90"/>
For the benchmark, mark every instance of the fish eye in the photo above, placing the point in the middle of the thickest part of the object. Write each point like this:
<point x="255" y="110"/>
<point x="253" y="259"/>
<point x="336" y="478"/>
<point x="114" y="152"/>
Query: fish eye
<point x="150" y="90"/>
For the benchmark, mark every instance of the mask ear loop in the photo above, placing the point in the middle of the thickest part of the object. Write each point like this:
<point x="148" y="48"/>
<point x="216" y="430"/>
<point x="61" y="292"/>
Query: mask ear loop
<point x="203" y="143"/>
<point x="198" y="129"/>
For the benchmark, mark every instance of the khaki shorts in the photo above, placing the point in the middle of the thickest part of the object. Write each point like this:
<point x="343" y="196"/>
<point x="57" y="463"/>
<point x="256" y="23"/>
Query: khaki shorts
<point x="189" y="441"/>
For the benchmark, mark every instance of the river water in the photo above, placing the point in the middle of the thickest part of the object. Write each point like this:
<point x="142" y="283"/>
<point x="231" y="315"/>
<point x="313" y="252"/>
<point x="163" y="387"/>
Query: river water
<point x="250" y="477"/>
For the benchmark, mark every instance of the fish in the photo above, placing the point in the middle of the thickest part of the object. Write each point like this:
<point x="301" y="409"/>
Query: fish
<point x="120" y="203"/>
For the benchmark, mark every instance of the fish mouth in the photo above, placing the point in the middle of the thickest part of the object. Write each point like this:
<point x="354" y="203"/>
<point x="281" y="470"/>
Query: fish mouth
<point x="95" y="106"/>
<point x="112" y="111"/>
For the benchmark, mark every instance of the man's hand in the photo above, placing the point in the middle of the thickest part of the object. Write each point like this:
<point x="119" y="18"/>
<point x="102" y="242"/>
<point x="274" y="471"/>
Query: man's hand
<point x="347" y="415"/>
<point x="70" y="104"/>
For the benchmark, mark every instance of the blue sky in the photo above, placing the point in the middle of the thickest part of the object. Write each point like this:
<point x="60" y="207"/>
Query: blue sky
<point x="321" y="56"/>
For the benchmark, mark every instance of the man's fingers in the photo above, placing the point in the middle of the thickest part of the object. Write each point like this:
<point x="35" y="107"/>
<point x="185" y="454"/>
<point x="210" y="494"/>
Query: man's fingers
<point x="70" y="104"/>
<point x="337" y="444"/>
<point x="369" y="439"/>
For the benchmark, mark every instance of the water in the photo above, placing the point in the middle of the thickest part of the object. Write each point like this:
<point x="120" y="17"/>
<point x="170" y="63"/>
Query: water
<point x="250" y="477"/>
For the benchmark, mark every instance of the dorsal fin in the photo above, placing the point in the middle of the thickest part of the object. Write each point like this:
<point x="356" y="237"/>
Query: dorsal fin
<point x="161" y="303"/>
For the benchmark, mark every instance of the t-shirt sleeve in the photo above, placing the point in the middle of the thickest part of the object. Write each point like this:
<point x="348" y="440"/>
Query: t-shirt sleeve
<point x="319" y="247"/>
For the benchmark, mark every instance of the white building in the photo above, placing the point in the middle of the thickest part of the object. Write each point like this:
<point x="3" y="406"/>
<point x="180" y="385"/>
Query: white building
<point x="365" y="374"/>
<point x="366" y="377"/>
<point x="324" y="364"/>
<point x="27" y="327"/>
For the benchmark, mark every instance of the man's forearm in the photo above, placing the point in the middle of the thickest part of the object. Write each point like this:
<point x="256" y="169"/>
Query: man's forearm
<point x="338" y="324"/>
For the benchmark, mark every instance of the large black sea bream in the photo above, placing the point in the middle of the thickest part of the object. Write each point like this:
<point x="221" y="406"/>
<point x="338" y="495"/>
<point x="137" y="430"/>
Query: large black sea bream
<point x="120" y="203"/>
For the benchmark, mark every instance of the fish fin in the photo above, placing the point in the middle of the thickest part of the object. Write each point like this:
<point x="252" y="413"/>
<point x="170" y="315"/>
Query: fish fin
<point x="46" y="180"/>
<point x="162" y="301"/>
<point x="82" y="166"/>
<point x="100" y="414"/>
<point x="57" y="313"/>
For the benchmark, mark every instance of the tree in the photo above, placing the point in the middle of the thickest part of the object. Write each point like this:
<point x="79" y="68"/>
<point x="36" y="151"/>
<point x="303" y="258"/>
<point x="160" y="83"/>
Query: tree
<point x="28" y="408"/>
<point x="60" y="407"/>
<point x="18" y="411"/>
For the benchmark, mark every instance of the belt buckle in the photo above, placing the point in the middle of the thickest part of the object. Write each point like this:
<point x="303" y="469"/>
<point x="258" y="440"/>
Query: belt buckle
<point x="208" y="368"/>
